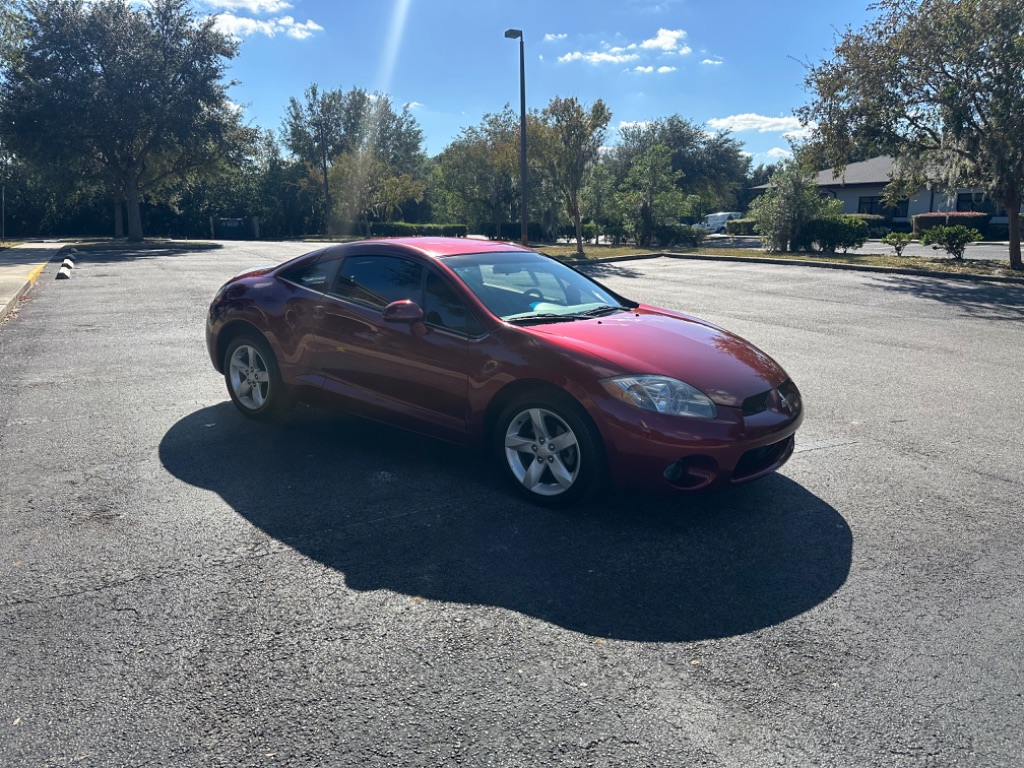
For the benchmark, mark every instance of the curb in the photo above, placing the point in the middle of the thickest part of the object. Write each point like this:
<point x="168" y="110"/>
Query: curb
<point x="61" y="255"/>
<point x="809" y="263"/>
<point x="29" y="282"/>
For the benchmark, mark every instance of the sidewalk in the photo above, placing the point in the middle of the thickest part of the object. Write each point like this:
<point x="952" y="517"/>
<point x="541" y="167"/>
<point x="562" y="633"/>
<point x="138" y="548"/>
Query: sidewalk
<point x="19" y="268"/>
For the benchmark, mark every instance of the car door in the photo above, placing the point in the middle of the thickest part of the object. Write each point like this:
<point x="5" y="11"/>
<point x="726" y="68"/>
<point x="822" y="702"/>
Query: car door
<point x="295" y="322"/>
<point x="413" y="374"/>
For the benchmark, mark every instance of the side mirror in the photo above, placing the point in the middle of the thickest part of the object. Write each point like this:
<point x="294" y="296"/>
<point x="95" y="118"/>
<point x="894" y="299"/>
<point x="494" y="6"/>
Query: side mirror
<point x="403" y="311"/>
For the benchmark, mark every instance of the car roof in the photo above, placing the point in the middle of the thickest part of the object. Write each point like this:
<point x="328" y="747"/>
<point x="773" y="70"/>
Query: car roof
<point x="440" y="247"/>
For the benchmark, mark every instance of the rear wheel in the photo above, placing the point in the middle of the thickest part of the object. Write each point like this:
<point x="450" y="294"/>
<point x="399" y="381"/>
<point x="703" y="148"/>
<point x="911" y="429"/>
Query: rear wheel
<point x="549" y="449"/>
<point x="254" y="379"/>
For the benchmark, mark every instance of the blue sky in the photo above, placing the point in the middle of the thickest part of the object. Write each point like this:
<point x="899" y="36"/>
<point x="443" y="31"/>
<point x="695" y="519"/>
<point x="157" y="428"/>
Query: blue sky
<point x="734" y="64"/>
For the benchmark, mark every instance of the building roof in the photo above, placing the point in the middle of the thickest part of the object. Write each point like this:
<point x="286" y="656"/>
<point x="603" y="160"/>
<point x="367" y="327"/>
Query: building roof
<point x="876" y="171"/>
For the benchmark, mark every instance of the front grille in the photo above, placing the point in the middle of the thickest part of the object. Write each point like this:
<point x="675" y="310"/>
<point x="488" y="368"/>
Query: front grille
<point x="760" y="459"/>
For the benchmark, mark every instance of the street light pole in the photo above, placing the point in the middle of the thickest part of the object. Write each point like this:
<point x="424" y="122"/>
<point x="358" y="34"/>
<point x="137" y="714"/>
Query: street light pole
<point x="513" y="34"/>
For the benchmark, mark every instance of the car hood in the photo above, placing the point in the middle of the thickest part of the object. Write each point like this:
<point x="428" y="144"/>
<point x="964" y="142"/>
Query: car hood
<point x="720" y="364"/>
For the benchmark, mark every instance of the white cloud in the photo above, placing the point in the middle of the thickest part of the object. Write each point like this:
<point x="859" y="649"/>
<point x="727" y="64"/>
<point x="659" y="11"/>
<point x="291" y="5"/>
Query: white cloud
<point x="241" y="26"/>
<point x="665" y="70"/>
<point x="550" y="38"/>
<point x="715" y="61"/>
<point x="778" y="153"/>
<point x="596" y="57"/>
<point x="752" y="122"/>
<point x="643" y="69"/>
<point x="667" y="40"/>
<point x="801" y="133"/>
<point x="251" y="6"/>
<point x="414" y="105"/>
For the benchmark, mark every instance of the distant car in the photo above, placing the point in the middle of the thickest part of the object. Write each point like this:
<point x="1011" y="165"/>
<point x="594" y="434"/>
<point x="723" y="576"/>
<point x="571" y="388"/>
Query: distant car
<point x="568" y="383"/>
<point x="714" y="223"/>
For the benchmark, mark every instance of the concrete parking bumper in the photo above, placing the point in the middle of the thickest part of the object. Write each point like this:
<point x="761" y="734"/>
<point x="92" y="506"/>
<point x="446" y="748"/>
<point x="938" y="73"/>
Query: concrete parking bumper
<point x="19" y="268"/>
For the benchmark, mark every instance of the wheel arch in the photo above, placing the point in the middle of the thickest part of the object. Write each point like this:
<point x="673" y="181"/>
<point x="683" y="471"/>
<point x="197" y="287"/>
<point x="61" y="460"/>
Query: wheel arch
<point x="232" y="331"/>
<point x="521" y="387"/>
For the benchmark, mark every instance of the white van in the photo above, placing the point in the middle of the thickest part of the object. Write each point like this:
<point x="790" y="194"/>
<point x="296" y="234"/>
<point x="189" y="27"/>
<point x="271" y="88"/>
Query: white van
<point x="714" y="223"/>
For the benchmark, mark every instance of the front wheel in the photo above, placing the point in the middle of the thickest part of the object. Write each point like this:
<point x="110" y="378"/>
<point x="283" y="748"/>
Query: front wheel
<point x="254" y="380"/>
<point x="550" y="450"/>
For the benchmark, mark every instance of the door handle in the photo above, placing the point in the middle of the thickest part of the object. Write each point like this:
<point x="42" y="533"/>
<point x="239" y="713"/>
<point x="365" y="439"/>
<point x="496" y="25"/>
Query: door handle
<point x="318" y="311"/>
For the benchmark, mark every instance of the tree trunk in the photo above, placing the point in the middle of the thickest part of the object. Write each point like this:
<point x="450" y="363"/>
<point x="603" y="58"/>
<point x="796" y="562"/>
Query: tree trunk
<point x="327" y="192"/>
<point x="1012" y="203"/>
<point x="574" y="208"/>
<point x="131" y="199"/>
<point x="118" y="217"/>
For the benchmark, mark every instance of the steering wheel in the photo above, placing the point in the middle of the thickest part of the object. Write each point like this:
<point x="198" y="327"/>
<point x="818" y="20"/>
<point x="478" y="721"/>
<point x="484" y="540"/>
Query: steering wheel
<point x="534" y="293"/>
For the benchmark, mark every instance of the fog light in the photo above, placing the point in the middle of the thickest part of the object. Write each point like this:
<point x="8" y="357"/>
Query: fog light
<point x="691" y="473"/>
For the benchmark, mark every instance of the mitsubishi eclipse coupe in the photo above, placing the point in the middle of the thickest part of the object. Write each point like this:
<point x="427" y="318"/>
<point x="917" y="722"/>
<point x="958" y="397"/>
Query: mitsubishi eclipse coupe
<point x="566" y="382"/>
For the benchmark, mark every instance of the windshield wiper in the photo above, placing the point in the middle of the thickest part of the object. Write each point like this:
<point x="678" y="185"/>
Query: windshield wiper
<point x="543" y="317"/>
<point x="598" y="311"/>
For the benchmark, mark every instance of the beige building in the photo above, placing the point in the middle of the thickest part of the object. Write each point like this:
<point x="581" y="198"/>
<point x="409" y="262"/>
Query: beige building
<point x="861" y="186"/>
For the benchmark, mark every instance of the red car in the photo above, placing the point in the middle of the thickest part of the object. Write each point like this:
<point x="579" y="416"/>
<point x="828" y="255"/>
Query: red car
<point x="567" y="382"/>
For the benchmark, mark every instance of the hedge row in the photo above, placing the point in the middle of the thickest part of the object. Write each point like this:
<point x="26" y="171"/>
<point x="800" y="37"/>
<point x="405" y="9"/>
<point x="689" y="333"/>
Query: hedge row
<point x="512" y="231"/>
<point x="668" y="235"/>
<point x="971" y="219"/>
<point x="405" y="229"/>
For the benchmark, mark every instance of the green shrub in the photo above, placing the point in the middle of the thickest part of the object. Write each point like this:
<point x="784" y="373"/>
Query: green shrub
<point x="878" y="226"/>
<point x="668" y="235"/>
<point x="953" y="239"/>
<point x="828" y="235"/>
<point x="970" y="219"/>
<point x="741" y="227"/>
<point x="898" y="241"/>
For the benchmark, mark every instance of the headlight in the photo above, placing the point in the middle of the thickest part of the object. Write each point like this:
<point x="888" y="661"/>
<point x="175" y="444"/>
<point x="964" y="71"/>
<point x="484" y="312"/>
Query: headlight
<point x="662" y="395"/>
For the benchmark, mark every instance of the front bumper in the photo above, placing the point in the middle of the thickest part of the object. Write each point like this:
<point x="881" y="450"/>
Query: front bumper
<point x="655" y="452"/>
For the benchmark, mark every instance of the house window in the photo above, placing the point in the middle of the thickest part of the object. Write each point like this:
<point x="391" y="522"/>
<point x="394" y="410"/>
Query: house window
<point x="873" y="204"/>
<point x="977" y="201"/>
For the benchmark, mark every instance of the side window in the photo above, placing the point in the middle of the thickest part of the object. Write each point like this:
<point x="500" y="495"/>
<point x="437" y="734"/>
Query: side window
<point x="443" y="308"/>
<point x="378" y="280"/>
<point x="316" y="276"/>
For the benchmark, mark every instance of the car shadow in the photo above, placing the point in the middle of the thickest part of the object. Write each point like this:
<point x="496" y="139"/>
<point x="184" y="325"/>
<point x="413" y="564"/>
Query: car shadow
<point x="395" y="511"/>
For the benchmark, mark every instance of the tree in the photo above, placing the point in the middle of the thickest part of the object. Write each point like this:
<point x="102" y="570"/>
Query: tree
<point x="938" y="84"/>
<point x="11" y="31"/>
<point x="788" y="205"/>
<point x="478" y="170"/>
<point x="335" y="124"/>
<point x="570" y="139"/>
<point x="371" y="187"/>
<point x="601" y="201"/>
<point x="315" y="133"/>
<point x="650" y="194"/>
<point x="132" y="96"/>
<point x="712" y="167"/>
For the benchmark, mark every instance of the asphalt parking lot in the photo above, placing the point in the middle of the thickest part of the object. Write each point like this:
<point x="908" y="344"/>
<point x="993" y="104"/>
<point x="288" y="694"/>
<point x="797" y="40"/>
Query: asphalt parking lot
<point x="186" y="588"/>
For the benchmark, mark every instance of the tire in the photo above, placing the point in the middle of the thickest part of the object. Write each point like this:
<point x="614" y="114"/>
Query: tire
<point x="549" y="449"/>
<point x="254" y="379"/>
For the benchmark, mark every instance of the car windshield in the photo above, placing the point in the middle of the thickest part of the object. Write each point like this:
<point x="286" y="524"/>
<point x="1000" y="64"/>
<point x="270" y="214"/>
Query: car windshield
<point x="526" y="287"/>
